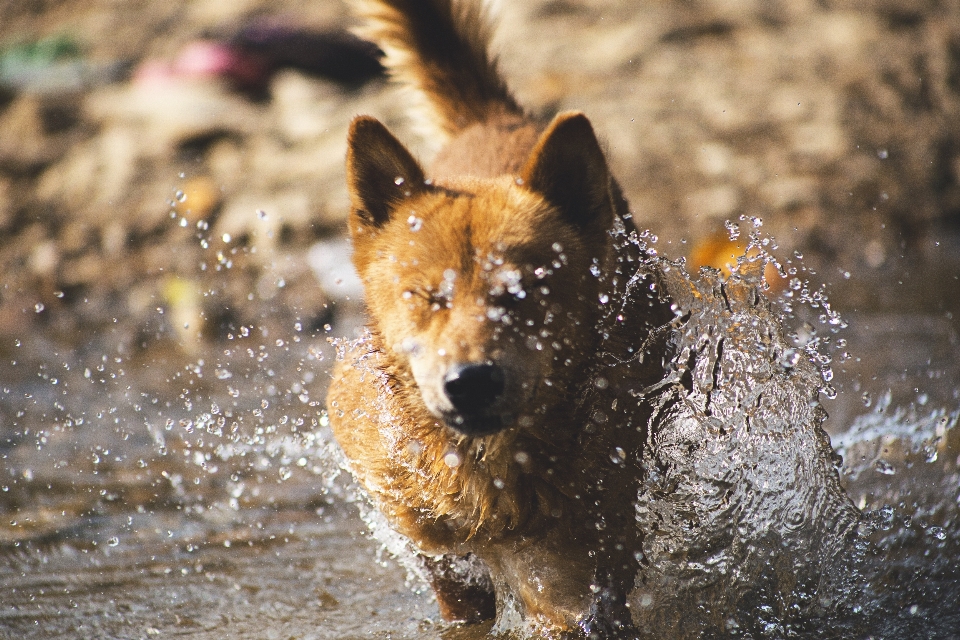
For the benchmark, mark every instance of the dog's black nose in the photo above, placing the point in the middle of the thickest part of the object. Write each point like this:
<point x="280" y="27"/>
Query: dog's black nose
<point x="473" y="388"/>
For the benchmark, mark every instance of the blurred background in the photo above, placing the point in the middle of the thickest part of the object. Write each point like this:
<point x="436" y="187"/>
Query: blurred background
<point x="173" y="261"/>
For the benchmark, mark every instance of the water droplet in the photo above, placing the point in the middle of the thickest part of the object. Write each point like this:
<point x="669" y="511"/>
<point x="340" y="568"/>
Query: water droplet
<point x="883" y="154"/>
<point x="805" y="334"/>
<point x="398" y="180"/>
<point x="733" y="229"/>
<point x="790" y="358"/>
<point x="884" y="467"/>
<point x="114" y="541"/>
<point x="452" y="459"/>
<point x="604" y="298"/>
<point x="261" y="214"/>
<point x="39" y="307"/>
<point x="180" y="196"/>
<point x="886" y="517"/>
<point x="226" y="237"/>
<point x="495" y="313"/>
<point x="414" y="223"/>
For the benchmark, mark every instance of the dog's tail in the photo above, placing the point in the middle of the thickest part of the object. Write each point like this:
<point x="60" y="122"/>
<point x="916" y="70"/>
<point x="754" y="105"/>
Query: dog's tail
<point x="440" y="48"/>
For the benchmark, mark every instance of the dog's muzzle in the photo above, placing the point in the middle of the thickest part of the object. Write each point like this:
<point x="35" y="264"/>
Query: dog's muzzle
<point x="474" y="390"/>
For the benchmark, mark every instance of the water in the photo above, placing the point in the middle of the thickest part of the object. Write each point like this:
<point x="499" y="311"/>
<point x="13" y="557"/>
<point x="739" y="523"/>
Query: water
<point x="161" y="491"/>
<point x="158" y="496"/>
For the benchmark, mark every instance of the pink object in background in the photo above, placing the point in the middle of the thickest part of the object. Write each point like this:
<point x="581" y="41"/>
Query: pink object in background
<point x="207" y="59"/>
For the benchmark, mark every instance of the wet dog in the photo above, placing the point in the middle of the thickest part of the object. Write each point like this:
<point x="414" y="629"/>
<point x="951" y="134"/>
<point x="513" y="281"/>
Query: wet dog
<point x="493" y="411"/>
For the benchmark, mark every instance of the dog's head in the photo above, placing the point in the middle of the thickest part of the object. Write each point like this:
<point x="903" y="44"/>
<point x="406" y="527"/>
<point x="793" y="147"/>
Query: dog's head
<point x="486" y="291"/>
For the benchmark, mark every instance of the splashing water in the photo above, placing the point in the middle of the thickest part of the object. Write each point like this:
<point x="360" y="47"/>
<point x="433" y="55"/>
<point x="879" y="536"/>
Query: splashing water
<point x="749" y="531"/>
<point x="203" y="497"/>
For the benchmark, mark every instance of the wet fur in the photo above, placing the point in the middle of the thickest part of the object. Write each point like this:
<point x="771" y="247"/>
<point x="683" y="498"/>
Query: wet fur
<point x="545" y="502"/>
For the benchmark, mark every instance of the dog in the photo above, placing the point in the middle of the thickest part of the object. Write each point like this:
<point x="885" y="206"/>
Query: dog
<point x="492" y="409"/>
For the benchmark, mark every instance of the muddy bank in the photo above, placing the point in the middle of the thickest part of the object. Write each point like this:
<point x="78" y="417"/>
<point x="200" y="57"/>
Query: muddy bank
<point x="835" y="124"/>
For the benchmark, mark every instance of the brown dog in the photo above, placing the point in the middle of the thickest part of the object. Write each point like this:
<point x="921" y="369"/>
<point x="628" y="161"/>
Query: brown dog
<point x="492" y="410"/>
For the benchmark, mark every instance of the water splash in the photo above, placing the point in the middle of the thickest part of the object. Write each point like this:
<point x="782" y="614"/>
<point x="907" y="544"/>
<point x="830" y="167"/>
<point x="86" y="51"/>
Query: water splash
<point x="748" y="527"/>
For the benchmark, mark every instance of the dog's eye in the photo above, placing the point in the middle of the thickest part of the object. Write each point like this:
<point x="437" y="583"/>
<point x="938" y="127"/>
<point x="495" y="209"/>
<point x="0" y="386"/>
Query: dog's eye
<point x="505" y="298"/>
<point x="435" y="299"/>
<point x="508" y="287"/>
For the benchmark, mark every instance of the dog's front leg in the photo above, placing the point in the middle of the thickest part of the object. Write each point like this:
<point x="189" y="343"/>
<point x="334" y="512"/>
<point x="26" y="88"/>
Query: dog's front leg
<point x="463" y="588"/>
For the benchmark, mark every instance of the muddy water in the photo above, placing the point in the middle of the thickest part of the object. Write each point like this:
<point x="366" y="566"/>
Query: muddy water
<point x="163" y="492"/>
<point x="284" y="574"/>
<point x="159" y="495"/>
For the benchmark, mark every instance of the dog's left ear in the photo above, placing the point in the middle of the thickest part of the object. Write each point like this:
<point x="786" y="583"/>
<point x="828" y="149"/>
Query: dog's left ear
<point x="568" y="168"/>
<point x="380" y="171"/>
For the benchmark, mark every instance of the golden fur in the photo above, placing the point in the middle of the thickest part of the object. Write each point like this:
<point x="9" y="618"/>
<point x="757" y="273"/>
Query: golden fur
<point x="511" y="255"/>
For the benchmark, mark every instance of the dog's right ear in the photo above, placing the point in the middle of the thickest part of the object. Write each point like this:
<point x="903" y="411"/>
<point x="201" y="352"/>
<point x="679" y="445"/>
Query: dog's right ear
<point x="380" y="171"/>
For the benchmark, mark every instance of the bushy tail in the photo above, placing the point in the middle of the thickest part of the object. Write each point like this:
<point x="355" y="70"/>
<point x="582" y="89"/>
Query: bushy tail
<point x="441" y="49"/>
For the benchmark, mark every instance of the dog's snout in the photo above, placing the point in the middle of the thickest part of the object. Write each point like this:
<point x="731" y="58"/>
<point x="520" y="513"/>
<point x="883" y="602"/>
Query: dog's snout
<point x="473" y="388"/>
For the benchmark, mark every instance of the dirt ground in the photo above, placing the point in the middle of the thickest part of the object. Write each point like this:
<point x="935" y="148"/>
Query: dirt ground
<point x="168" y="209"/>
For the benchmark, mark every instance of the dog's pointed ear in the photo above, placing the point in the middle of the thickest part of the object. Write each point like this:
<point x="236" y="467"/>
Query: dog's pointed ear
<point x="568" y="168"/>
<point x="380" y="171"/>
